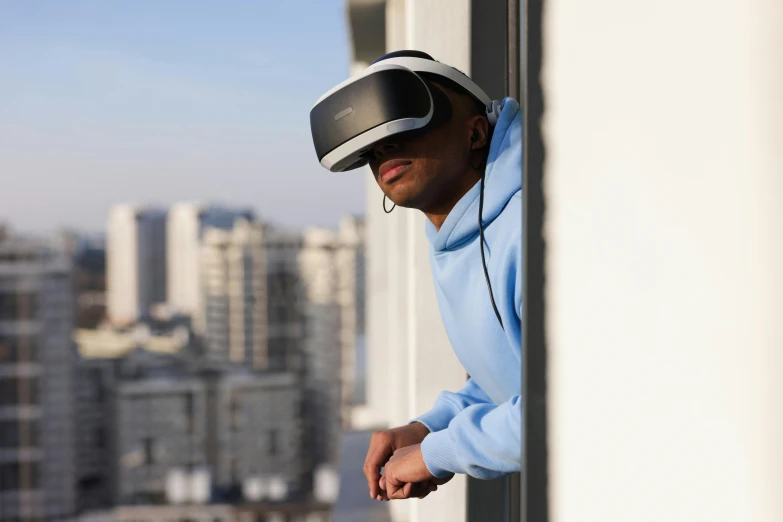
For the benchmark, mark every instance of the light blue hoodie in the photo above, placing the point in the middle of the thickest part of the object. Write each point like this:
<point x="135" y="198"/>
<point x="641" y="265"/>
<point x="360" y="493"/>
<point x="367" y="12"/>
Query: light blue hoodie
<point x="478" y="430"/>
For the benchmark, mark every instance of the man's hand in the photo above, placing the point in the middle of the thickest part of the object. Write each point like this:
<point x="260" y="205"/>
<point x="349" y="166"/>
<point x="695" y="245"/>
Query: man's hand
<point x="382" y="446"/>
<point x="405" y="474"/>
<point x="420" y="489"/>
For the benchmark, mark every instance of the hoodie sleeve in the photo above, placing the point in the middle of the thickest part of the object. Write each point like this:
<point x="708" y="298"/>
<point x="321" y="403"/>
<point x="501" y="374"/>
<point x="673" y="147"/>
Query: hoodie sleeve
<point x="484" y="441"/>
<point x="449" y="404"/>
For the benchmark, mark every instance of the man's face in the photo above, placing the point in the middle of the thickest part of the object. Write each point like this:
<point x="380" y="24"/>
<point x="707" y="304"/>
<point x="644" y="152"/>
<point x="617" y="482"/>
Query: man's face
<point x="419" y="172"/>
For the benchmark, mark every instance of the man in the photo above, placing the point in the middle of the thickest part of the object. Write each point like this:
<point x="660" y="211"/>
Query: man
<point x="449" y="173"/>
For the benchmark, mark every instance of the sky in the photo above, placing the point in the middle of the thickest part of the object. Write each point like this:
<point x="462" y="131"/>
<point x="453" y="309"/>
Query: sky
<point x="155" y="102"/>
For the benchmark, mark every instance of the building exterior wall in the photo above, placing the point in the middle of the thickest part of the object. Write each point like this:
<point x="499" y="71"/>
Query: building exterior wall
<point x="121" y="265"/>
<point x="57" y="391"/>
<point x="90" y="285"/>
<point x="216" y="513"/>
<point x="136" y="261"/>
<point x="37" y="468"/>
<point x="95" y="434"/>
<point x="409" y="357"/>
<point x="315" y="317"/>
<point x="184" y="237"/>
<point x="151" y="261"/>
<point x="183" y="244"/>
<point x="269" y="512"/>
<point x="321" y="347"/>
<point x="161" y="427"/>
<point x="350" y="267"/>
<point x="259" y="435"/>
<point x="234" y="272"/>
<point x="285" y="301"/>
<point x="664" y="204"/>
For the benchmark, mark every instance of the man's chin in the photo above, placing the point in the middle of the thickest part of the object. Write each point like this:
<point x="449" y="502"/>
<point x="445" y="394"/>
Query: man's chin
<point x="403" y="202"/>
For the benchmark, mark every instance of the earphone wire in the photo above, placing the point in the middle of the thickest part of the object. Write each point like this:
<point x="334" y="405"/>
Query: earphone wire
<point x="481" y="237"/>
<point x="394" y="205"/>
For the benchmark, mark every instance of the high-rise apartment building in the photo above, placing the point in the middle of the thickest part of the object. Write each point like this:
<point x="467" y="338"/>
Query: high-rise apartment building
<point x="349" y="265"/>
<point x="95" y="433"/>
<point x="37" y="472"/>
<point x="258" y="436"/>
<point x="285" y="300"/>
<point x="184" y="239"/>
<point x="136" y="261"/>
<point x="235" y="301"/>
<point x="90" y="284"/>
<point x="321" y="349"/>
<point x="315" y="287"/>
<point x="161" y="429"/>
<point x="189" y="438"/>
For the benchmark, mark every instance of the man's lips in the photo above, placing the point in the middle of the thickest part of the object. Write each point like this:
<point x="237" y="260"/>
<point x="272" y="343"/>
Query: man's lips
<point x="392" y="169"/>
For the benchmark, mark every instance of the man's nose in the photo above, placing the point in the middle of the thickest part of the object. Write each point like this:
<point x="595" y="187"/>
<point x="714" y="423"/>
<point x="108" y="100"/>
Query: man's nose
<point x="383" y="149"/>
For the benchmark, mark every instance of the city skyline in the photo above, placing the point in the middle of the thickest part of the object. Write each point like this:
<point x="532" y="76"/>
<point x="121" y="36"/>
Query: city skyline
<point x="234" y="397"/>
<point x="155" y="104"/>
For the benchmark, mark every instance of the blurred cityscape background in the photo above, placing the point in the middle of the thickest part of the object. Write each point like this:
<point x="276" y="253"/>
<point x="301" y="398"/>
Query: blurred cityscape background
<point x="193" y="355"/>
<point x="182" y="331"/>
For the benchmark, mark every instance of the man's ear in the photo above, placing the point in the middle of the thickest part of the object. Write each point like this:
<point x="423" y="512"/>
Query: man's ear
<point x="479" y="131"/>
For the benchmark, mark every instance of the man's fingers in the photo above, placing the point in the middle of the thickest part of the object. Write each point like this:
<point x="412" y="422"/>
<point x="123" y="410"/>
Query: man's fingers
<point x="393" y="489"/>
<point x="373" y="474"/>
<point x="377" y="455"/>
<point x="382" y="489"/>
<point x="399" y="491"/>
<point x="398" y="494"/>
<point x="408" y="490"/>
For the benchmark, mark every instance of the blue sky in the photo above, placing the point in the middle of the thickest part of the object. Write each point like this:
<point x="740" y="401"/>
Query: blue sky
<point x="162" y="101"/>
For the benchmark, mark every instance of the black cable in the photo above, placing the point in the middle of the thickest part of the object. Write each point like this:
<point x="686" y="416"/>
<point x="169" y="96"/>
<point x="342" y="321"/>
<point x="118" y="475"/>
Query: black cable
<point x="483" y="260"/>
<point x="482" y="167"/>
<point x="384" y="205"/>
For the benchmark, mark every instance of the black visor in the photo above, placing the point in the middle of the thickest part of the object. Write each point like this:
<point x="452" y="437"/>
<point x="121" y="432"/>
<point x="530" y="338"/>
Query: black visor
<point x="346" y="123"/>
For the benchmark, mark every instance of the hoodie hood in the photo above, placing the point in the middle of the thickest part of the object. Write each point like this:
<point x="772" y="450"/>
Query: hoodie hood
<point x="503" y="179"/>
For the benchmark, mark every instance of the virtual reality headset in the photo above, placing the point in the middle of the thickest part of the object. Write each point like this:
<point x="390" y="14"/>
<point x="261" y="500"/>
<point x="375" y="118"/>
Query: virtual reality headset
<point x="393" y="96"/>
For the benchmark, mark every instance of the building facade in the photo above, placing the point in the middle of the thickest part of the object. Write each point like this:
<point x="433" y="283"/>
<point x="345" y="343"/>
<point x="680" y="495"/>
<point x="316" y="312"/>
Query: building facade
<point x="350" y="267"/>
<point x="161" y="429"/>
<point x="37" y="461"/>
<point x="90" y="283"/>
<point x="252" y="512"/>
<point x="321" y="349"/>
<point x="135" y="261"/>
<point x="159" y="423"/>
<point x="184" y="235"/>
<point x="95" y="433"/>
<point x="234" y="278"/>
<point x="259" y="437"/>
<point x="285" y="300"/>
<point x="215" y="436"/>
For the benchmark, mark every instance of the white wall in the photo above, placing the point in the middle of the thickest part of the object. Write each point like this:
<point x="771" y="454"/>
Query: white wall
<point x="122" y="266"/>
<point x="664" y="184"/>
<point x="183" y="274"/>
<point x="410" y="359"/>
